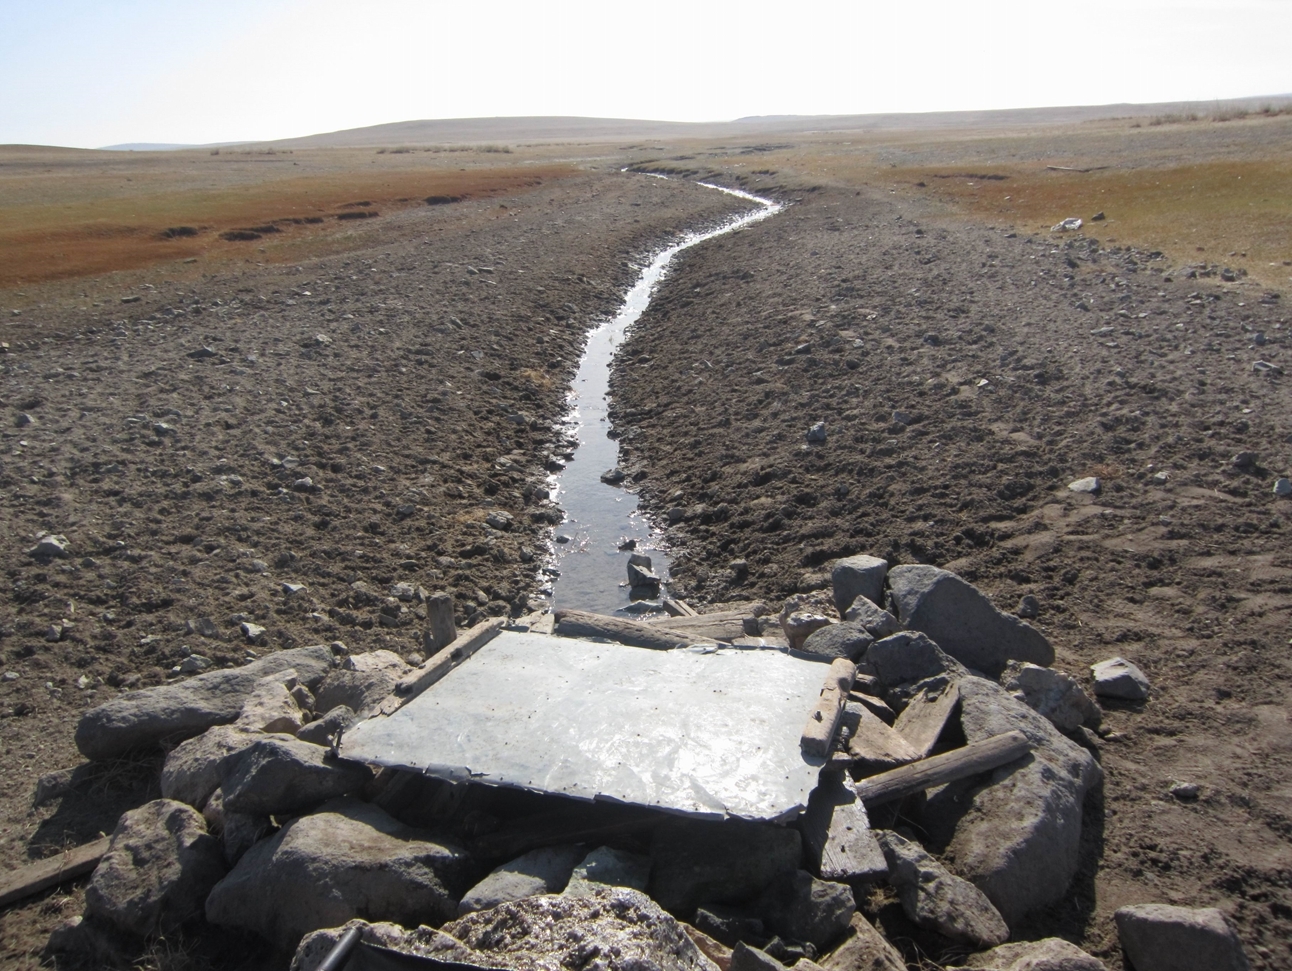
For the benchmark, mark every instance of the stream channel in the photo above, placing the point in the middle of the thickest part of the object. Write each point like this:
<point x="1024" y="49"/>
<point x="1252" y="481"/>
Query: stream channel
<point x="588" y="559"/>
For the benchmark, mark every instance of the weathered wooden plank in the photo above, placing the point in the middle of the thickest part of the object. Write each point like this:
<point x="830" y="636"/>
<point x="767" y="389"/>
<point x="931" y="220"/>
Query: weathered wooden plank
<point x="837" y="832"/>
<point x="726" y="626"/>
<point x="922" y="721"/>
<point x="877" y="706"/>
<point x="821" y="724"/>
<point x="940" y="769"/>
<point x="43" y="874"/>
<point x="876" y="746"/>
<point x="677" y="608"/>
<point x="442" y="631"/>
<point x="579" y="623"/>
<point x="438" y="665"/>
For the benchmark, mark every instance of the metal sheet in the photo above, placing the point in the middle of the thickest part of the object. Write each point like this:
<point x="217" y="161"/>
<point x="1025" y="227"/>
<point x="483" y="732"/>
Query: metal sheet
<point x="699" y="731"/>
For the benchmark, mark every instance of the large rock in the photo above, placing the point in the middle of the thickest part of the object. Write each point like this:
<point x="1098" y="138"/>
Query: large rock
<point x="323" y="731"/>
<point x="1015" y="835"/>
<point x="878" y="623"/>
<point x="194" y="769"/>
<point x="746" y="958"/>
<point x="280" y="775"/>
<point x="1050" y="954"/>
<point x="607" y="867"/>
<point x="317" y="945"/>
<point x="142" y="719"/>
<point x="802" y="908"/>
<point x="848" y="640"/>
<point x="698" y="862"/>
<point x="858" y="576"/>
<point x="939" y="900"/>
<point x="909" y="656"/>
<point x="1052" y="694"/>
<point x="348" y="860"/>
<point x="545" y="870"/>
<point x="962" y="621"/>
<point x="1118" y="678"/>
<point x="271" y="707"/>
<point x="864" y="949"/>
<point x="613" y="929"/>
<point x="160" y="865"/>
<point x="1159" y="937"/>
<point x="362" y="682"/>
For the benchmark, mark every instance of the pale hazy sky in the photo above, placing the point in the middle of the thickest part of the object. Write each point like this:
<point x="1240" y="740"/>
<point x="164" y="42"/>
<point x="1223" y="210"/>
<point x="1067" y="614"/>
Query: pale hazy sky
<point x="96" y="72"/>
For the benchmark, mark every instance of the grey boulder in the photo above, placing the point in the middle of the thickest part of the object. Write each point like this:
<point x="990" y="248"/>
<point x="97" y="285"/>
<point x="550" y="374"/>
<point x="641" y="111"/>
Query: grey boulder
<point x="802" y="908"/>
<point x="858" y="576"/>
<point x="909" y="656"/>
<point x="1118" y="678"/>
<point x="1050" y="954"/>
<point x="878" y="623"/>
<point x="323" y="731"/>
<point x="937" y="899"/>
<point x="864" y="949"/>
<point x="545" y="870"/>
<point x="1052" y="694"/>
<point x="847" y="639"/>
<point x="194" y="769"/>
<point x="279" y="775"/>
<point x="698" y="862"/>
<point x="1160" y="937"/>
<point x="1016" y="834"/>
<point x="362" y="682"/>
<point x="612" y="928"/>
<point x="962" y="621"/>
<point x="608" y="867"/>
<point x="746" y="958"/>
<point x="142" y="719"/>
<point x="160" y="865"/>
<point x="348" y="860"/>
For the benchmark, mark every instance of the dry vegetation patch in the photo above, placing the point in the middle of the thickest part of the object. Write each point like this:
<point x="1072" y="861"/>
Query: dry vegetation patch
<point x="67" y="214"/>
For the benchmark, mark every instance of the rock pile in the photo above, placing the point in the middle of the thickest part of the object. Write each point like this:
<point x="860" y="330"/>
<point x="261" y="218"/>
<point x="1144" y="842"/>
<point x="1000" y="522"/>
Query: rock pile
<point x="263" y="828"/>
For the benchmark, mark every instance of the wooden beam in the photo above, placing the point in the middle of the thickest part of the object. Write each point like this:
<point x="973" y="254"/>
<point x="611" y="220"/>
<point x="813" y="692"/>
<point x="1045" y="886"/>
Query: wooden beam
<point x="579" y="623"/>
<point x="439" y="615"/>
<point x="821" y="724"/>
<point x="837" y="832"/>
<point x="922" y="721"/>
<point x="43" y="874"/>
<point x="726" y="626"/>
<point x="973" y="759"/>
<point x="438" y="665"/>
<point x="875" y="745"/>
<point x="677" y="608"/>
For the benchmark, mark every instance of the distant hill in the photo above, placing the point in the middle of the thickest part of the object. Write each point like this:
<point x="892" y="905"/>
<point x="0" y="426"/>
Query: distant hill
<point x="146" y="147"/>
<point x="510" y="130"/>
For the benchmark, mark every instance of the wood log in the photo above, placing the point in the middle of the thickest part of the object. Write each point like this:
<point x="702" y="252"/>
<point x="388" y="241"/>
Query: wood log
<point x="973" y="759"/>
<point x="821" y="724"/>
<point x="837" y="833"/>
<point x="922" y="721"/>
<point x="876" y="746"/>
<point x="726" y="626"/>
<point x="43" y="874"/>
<point x="677" y="608"/>
<point x="877" y="706"/>
<point x="579" y="623"/>
<point x="442" y="631"/>
<point x="438" y="665"/>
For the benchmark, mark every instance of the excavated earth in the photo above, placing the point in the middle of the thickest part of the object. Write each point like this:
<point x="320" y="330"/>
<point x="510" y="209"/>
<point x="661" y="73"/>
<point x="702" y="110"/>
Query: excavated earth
<point x="418" y="386"/>
<point x="966" y="374"/>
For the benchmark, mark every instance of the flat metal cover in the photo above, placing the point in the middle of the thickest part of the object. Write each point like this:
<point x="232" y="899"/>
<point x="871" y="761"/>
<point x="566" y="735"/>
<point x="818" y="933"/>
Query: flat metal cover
<point x="695" y="730"/>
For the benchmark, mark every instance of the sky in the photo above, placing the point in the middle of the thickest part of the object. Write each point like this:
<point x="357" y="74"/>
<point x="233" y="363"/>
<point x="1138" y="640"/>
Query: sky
<point x="88" y="73"/>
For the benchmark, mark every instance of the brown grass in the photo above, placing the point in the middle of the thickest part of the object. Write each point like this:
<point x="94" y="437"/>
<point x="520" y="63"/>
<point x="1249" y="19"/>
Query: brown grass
<point x="67" y="214"/>
<point x="1234" y="213"/>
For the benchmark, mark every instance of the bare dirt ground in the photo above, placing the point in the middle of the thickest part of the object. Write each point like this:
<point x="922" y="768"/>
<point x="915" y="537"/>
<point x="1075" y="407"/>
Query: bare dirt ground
<point x="348" y="420"/>
<point x="411" y="367"/>
<point x="1022" y="362"/>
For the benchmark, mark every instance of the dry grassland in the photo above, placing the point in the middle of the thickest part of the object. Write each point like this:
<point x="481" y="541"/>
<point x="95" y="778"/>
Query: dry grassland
<point x="67" y="213"/>
<point x="1216" y="192"/>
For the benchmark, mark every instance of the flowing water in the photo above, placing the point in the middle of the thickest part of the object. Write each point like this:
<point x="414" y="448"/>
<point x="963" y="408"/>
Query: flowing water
<point x="590" y="555"/>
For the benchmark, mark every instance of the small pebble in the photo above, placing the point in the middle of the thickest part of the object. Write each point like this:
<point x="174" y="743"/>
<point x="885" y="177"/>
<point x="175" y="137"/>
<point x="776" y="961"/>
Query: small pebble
<point x="1185" y="791"/>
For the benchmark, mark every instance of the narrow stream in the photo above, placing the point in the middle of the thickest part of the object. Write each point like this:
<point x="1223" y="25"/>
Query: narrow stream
<point x="603" y="524"/>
